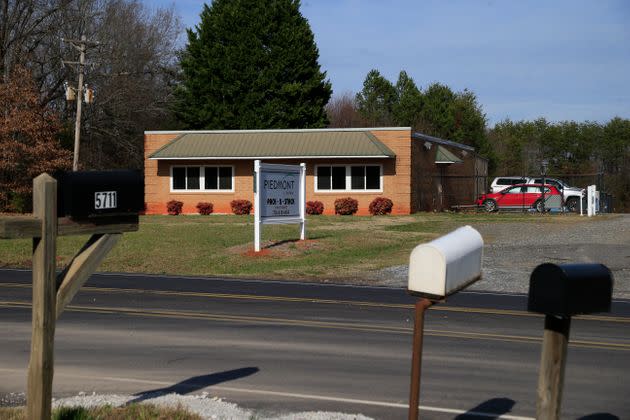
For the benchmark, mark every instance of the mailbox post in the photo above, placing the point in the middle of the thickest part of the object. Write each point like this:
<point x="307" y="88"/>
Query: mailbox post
<point x="102" y="204"/>
<point x="436" y="270"/>
<point x="559" y="292"/>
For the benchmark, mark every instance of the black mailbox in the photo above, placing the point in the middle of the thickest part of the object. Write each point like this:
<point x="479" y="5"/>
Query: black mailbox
<point x="570" y="289"/>
<point x="99" y="194"/>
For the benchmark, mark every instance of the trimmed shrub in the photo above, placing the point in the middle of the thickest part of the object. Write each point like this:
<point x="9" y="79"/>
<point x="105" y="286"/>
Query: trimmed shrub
<point x="346" y="206"/>
<point x="205" y="208"/>
<point x="241" y="206"/>
<point x="174" y="207"/>
<point x="314" y="207"/>
<point x="380" y="206"/>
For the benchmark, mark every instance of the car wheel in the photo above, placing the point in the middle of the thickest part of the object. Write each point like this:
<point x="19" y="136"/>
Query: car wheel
<point x="490" y="206"/>
<point x="540" y="206"/>
<point x="573" y="204"/>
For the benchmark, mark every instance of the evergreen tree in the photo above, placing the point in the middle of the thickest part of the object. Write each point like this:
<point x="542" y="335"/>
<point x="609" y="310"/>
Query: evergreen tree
<point x="252" y="64"/>
<point x="376" y="101"/>
<point x="437" y="117"/>
<point x="406" y="109"/>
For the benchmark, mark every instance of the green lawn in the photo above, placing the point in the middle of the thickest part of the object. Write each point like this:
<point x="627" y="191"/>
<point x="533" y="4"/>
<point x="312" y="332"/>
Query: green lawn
<point x="222" y="245"/>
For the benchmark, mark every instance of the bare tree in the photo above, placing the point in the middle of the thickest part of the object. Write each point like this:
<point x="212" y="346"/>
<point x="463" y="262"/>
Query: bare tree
<point x="342" y="112"/>
<point x="132" y="71"/>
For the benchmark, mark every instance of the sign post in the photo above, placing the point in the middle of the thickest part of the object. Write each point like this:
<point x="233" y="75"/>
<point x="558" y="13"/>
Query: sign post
<point x="279" y="197"/>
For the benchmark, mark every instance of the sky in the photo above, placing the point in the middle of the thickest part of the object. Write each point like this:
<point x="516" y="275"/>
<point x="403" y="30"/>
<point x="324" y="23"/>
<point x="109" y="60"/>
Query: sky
<point x="524" y="59"/>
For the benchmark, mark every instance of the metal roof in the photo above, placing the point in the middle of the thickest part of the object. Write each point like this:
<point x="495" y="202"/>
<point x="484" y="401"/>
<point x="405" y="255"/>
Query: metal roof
<point x="437" y="140"/>
<point x="444" y="156"/>
<point x="273" y="144"/>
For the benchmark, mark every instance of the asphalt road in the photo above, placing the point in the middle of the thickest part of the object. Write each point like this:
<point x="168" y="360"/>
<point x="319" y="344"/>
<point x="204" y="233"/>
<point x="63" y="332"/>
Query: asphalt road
<point x="286" y="347"/>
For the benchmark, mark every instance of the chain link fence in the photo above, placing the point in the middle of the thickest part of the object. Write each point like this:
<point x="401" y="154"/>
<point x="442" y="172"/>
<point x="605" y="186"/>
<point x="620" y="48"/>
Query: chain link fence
<point x="459" y="192"/>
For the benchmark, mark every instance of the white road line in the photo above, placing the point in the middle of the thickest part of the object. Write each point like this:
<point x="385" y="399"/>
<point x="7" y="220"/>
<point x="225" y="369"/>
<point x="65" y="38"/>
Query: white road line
<point x="291" y="395"/>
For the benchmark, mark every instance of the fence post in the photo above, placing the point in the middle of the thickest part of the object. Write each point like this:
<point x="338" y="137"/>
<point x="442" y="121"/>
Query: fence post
<point x="41" y="364"/>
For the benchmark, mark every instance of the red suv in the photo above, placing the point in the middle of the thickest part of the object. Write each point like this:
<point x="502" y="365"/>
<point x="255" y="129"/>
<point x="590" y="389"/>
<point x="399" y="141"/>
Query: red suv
<point x="517" y="197"/>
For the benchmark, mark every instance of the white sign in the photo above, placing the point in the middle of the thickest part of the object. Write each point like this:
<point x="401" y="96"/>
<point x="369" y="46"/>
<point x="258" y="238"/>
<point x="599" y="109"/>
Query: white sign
<point x="280" y="193"/>
<point x="105" y="200"/>
<point x="591" y="200"/>
<point x="279" y="196"/>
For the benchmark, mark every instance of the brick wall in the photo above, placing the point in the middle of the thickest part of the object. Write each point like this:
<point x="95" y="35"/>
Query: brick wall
<point x="396" y="178"/>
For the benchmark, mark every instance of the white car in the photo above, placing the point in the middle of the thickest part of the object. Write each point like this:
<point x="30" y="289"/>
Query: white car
<point x="570" y="195"/>
<point x="502" y="182"/>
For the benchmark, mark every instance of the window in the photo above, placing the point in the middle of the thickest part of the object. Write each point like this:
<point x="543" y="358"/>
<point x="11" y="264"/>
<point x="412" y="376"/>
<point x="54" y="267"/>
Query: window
<point x="348" y="178"/>
<point x="218" y="178"/>
<point x="205" y="178"/>
<point x="515" y="190"/>
<point x="510" y="181"/>
<point x="331" y="177"/>
<point x="179" y="178"/>
<point x="192" y="178"/>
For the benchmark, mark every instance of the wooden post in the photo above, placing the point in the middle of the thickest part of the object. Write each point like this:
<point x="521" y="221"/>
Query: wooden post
<point x="77" y="123"/>
<point x="416" y="359"/>
<point x="40" y="368"/>
<point x="552" y="365"/>
<point x="82" y="266"/>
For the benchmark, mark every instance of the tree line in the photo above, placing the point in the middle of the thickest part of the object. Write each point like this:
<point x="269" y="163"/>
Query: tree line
<point x="248" y="64"/>
<point x="583" y="153"/>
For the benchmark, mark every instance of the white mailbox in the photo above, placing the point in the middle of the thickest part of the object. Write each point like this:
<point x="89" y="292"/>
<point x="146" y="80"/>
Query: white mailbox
<point x="446" y="265"/>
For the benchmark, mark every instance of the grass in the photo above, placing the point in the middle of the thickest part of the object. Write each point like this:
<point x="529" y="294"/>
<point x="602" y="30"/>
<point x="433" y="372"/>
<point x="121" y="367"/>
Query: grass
<point x="222" y="245"/>
<point x="130" y="412"/>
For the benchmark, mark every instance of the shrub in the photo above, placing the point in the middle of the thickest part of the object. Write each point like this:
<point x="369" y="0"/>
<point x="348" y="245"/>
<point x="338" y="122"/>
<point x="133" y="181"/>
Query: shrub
<point x="314" y="207"/>
<point x="381" y="205"/>
<point x="205" y="208"/>
<point x="241" y="206"/>
<point x="174" y="207"/>
<point x="346" y="206"/>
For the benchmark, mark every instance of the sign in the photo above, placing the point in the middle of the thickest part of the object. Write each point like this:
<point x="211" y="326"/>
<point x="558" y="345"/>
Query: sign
<point x="279" y="197"/>
<point x="105" y="200"/>
<point x="280" y="193"/>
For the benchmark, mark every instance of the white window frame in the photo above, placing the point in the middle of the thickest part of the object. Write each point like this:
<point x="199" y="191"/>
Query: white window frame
<point x="202" y="179"/>
<point x="348" y="178"/>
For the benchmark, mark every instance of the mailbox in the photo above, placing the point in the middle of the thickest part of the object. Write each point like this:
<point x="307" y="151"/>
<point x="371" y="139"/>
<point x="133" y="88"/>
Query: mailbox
<point x="99" y="194"/>
<point x="570" y="289"/>
<point x="446" y="265"/>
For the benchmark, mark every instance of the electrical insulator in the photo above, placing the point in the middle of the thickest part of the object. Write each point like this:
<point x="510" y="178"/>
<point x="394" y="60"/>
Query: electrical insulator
<point x="70" y="94"/>
<point x="88" y="96"/>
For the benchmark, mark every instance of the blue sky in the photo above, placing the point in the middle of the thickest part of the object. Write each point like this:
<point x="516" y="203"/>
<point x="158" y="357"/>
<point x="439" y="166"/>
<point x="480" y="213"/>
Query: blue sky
<point x="562" y="60"/>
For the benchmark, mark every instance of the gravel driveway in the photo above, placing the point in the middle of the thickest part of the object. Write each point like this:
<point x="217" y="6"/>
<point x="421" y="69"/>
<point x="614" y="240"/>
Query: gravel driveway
<point x="514" y="249"/>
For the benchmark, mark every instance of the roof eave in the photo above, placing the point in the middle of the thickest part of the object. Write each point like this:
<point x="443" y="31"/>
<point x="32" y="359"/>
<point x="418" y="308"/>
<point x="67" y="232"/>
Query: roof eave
<point x="437" y="140"/>
<point x="268" y="157"/>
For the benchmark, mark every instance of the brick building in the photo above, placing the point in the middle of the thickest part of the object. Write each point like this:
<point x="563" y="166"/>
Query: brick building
<point x="365" y="163"/>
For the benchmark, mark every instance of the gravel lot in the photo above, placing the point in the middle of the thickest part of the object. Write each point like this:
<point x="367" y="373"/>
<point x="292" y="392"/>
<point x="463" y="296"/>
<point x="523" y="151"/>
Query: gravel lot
<point x="514" y="249"/>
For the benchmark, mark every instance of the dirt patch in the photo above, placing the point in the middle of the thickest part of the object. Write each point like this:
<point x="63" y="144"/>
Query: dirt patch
<point x="277" y="249"/>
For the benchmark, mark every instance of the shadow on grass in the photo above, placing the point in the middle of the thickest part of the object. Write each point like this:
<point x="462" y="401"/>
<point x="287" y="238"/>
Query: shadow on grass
<point x="195" y="383"/>
<point x="493" y="408"/>
<point x="311" y="237"/>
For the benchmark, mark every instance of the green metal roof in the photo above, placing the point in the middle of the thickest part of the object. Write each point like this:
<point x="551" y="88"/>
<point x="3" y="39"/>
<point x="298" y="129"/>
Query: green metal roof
<point x="444" y="156"/>
<point x="273" y="144"/>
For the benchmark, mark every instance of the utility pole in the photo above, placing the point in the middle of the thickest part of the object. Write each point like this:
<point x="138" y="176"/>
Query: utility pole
<point x="82" y="46"/>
